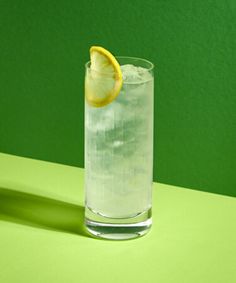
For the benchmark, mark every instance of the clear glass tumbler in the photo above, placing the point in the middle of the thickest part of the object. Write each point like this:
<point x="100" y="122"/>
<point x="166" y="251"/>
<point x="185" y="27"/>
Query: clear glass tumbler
<point x="119" y="156"/>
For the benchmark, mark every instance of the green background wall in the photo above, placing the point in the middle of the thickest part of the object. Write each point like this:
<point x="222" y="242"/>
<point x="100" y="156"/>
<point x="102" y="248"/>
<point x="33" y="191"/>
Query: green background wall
<point x="43" y="48"/>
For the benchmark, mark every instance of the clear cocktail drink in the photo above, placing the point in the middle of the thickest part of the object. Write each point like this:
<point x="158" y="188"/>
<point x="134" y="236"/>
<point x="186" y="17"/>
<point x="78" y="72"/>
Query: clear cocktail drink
<point x="119" y="156"/>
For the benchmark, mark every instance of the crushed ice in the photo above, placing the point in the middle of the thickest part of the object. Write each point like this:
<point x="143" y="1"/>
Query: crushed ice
<point x="134" y="74"/>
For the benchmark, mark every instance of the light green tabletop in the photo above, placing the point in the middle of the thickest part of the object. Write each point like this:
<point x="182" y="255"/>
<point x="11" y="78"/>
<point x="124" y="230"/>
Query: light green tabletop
<point x="193" y="238"/>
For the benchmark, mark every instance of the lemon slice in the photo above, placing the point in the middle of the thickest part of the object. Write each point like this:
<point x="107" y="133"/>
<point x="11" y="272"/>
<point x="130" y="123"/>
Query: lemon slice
<point x="103" y="79"/>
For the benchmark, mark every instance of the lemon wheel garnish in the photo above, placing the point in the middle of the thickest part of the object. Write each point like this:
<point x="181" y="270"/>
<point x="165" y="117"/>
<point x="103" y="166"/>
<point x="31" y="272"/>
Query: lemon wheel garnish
<point x="103" y="79"/>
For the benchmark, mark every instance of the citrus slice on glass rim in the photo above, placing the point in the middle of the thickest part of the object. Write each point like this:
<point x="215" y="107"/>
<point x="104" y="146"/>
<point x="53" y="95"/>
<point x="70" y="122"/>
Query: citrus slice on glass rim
<point x="103" y="79"/>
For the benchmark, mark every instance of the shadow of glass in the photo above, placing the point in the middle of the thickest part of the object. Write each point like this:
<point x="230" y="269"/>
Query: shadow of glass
<point x="41" y="212"/>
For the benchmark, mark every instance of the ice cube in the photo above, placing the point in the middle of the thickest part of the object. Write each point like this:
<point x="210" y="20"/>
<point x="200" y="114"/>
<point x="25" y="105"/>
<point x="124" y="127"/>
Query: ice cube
<point x="134" y="74"/>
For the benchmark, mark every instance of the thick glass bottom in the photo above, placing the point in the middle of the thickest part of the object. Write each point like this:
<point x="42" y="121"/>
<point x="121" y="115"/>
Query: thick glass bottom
<point x="118" y="228"/>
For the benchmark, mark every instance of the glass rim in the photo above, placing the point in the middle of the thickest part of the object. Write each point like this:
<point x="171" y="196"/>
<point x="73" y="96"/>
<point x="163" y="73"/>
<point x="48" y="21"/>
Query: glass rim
<point x="126" y="57"/>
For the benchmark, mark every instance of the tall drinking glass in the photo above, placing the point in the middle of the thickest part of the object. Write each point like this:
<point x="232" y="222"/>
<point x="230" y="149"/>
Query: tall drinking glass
<point x="119" y="156"/>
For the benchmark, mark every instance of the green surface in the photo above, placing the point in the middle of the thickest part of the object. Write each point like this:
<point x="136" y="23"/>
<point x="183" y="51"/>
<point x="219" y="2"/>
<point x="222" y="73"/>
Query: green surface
<point x="43" y="240"/>
<point x="44" y="45"/>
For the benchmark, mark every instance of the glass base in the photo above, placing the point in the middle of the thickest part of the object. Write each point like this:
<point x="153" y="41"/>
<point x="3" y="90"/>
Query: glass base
<point x="118" y="228"/>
